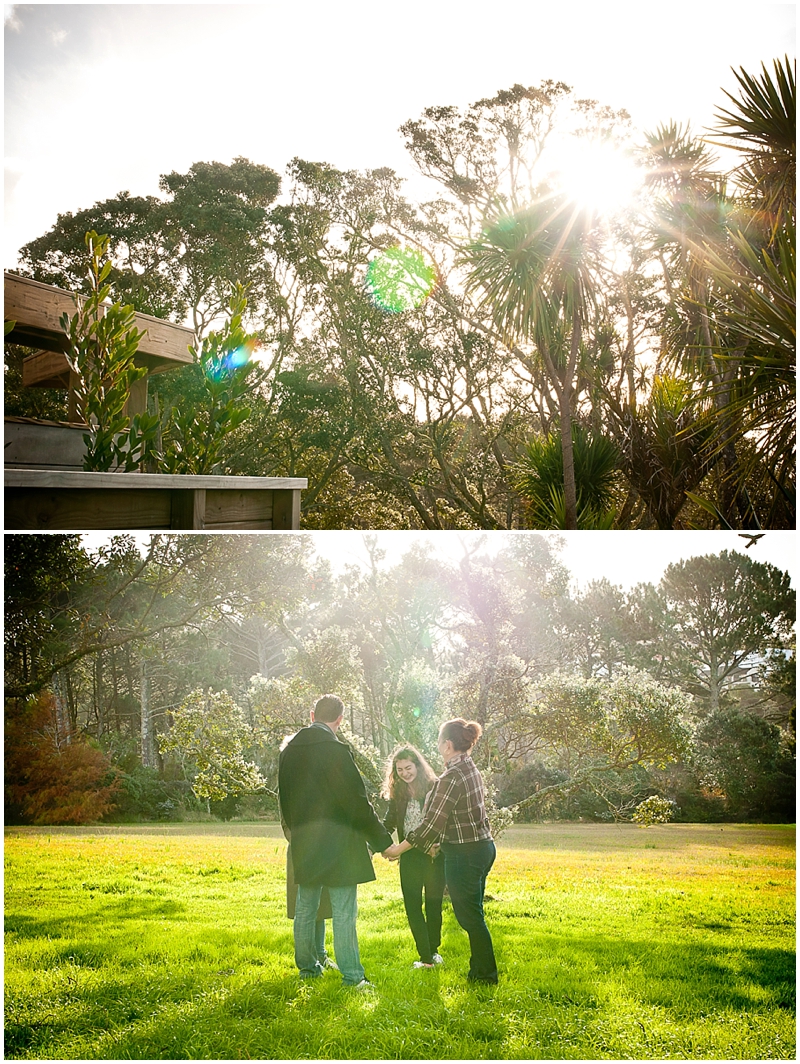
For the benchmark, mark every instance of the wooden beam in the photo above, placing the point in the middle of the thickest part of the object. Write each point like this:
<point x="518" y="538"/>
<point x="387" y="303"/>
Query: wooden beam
<point x="45" y="369"/>
<point x="53" y="499"/>
<point x="36" y="309"/>
<point x="79" y="509"/>
<point x="46" y="478"/>
<point x="137" y="398"/>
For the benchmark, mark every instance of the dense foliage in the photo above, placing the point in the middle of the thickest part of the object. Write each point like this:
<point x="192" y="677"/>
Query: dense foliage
<point x="174" y="674"/>
<point x="472" y="360"/>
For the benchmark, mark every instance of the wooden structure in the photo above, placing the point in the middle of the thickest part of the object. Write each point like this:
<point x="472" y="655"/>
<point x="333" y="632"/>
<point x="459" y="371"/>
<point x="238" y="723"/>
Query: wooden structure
<point x="36" y="310"/>
<point x="49" y="500"/>
<point x="45" y="485"/>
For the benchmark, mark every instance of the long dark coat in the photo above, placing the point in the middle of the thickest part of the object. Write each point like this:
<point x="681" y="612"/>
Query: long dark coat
<point x="325" y="807"/>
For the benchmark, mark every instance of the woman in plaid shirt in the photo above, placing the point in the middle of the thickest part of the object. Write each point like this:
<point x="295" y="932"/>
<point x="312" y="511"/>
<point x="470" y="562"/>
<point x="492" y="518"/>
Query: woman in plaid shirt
<point x="455" y="816"/>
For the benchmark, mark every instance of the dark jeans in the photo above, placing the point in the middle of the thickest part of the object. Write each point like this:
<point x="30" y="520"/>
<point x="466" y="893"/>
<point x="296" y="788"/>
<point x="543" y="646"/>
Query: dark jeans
<point x="419" y="872"/>
<point x="466" y="866"/>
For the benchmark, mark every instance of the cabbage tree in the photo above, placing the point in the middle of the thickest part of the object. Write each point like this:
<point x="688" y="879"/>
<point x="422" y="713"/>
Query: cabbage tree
<point x="532" y="272"/>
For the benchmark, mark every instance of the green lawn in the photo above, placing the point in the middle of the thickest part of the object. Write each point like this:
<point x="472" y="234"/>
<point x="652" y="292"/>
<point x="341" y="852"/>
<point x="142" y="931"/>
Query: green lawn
<point x="612" y="942"/>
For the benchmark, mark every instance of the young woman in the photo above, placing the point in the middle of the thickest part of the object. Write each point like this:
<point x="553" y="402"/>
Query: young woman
<point x="455" y="815"/>
<point x="409" y="779"/>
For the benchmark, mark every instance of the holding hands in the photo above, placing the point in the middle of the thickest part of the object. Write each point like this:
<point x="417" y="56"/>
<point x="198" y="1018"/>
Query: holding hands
<point x="392" y="853"/>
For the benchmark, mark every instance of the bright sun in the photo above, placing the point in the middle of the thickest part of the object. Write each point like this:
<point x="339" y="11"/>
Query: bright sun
<point x="597" y="176"/>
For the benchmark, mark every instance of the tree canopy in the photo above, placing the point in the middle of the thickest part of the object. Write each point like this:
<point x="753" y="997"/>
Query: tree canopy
<point x="424" y="362"/>
<point x="187" y="662"/>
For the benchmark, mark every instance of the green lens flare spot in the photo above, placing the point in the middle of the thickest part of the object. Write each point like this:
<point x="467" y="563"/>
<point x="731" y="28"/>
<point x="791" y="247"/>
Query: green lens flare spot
<point x="400" y="279"/>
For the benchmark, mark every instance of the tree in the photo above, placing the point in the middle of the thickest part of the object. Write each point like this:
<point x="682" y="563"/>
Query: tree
<point x="752" y="762"/>
<point x="540" y="479"/>
<point x="527" y="249"/>
<point x="597" y="730"/>
<point x="193" y="431"/>
<point x="177" y="257"/>
<point x="727" y="610"/>
<point x="757" y="272"/>
<point x="534" y="271"/>
<point x="597" y="625"/>
<point x="41" y="573"/>
<point x="122" y="597"/>
<point x="53" y="776"/>
<point x="666" y="445"/>
<point x="210" y="738"/>
<point x="730" y="281"/>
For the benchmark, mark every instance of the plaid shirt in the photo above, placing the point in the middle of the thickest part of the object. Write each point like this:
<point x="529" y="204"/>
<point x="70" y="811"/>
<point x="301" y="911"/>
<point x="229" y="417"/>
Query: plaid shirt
<point x="454" y="810"/>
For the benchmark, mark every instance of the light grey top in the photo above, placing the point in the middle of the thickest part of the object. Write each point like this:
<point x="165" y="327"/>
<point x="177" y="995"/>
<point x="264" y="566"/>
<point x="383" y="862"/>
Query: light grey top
<point x="53" y="478"/>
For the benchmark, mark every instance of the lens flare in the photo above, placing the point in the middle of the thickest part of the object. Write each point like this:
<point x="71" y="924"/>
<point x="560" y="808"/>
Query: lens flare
<point x="400" y="279"/>
<point x="218" y="369"/>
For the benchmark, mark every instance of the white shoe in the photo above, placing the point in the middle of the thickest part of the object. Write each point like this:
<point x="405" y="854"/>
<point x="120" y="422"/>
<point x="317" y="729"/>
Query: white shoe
<point x="438" y="959"/>
<point x="421" y="964"/>
<point x="328" y="963"/>
<point x="365" y="984"/>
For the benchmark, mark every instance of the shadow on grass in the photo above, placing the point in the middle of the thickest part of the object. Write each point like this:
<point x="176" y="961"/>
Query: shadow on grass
<point x="118" y="912"/>
<point x="683" y="976"/>
<point x="196" y="1008"/>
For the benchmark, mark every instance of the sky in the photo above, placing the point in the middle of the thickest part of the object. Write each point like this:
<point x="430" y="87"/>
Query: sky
<point x="102" y="98"/>
<point x="625" y="558"/>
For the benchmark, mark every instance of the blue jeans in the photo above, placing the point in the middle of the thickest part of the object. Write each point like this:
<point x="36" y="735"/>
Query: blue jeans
<point x="344" y="906"/>
<point x="319" y="941"/>
<point x="466" y="866"/>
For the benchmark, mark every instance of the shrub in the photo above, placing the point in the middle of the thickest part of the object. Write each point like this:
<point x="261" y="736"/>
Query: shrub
<point x="654" y="810"/>
<point x="145" y="795"/>
<point x="53" y="776"/>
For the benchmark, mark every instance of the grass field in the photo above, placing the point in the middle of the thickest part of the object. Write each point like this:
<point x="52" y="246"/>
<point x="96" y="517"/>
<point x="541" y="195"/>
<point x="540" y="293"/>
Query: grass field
<point x="675" y="941"/>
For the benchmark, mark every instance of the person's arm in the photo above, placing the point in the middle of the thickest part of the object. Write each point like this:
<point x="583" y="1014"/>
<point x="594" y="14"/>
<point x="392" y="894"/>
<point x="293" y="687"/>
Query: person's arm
<point x="358" y="808"/>
<point x="390" y="820"/>
<point x="438" y="809"/>
<point x="284" y="824"/>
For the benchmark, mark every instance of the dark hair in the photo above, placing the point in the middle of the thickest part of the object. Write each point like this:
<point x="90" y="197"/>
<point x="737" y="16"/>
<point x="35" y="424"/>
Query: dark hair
<point x="462" y="734"/>
<point x="328" y="709"/>
<point x="394" y="787"/>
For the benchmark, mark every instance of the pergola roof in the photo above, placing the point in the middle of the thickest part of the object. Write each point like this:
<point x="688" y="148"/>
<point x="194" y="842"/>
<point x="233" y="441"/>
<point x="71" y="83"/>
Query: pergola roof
<point x="36" y="309"/>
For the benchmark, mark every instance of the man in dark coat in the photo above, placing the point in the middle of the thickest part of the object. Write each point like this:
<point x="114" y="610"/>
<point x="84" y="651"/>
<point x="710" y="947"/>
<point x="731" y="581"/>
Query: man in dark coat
<point x="330" y="820"/>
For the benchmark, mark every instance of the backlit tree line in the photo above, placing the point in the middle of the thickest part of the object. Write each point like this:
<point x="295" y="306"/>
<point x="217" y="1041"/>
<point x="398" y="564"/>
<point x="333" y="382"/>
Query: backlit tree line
<point x="159" y="682"/>
<point x="568" y="369"/>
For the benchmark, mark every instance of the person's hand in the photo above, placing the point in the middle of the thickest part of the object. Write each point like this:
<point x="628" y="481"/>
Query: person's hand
<point x="392" y="853"/>
<point x="434" y="850"/>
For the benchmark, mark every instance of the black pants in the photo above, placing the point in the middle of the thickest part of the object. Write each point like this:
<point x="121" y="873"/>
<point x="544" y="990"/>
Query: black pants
<point x="419" y="872"/>
<point x="466" y="866"/>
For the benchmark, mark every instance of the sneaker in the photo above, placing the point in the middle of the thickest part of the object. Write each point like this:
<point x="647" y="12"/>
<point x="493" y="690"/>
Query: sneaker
<point x="421" y="964"/>
<point x="332" y="965"/>
<point x="365" y="984"/>
<point x="438" y="958"/>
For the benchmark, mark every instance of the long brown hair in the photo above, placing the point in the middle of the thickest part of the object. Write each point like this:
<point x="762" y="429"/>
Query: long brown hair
<point x="394" y="787"/>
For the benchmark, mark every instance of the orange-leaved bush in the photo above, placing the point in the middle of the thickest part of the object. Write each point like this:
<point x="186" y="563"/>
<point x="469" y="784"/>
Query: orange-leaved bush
<point x="51" y="775"/>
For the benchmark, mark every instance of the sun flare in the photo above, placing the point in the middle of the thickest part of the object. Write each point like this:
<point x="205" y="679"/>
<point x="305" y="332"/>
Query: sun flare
<point x="596" y="175"/>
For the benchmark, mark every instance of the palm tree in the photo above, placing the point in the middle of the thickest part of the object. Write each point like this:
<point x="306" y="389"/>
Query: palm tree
<point x="531" y="270"/>
<point x="762" y="125"/>
<point x="666" y="446"/>
<point x="756" y="272"/>
<point x="731" y="285"/>
<point x="539" y="479"/>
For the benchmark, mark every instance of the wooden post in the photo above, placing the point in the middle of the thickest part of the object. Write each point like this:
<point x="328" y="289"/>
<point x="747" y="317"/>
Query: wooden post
<point x="73" y="414"/>
<point x="286" y="508"/>
<point x="188" y="508"/>
<point x="137" y="398"/>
